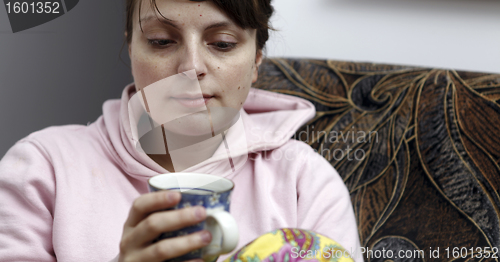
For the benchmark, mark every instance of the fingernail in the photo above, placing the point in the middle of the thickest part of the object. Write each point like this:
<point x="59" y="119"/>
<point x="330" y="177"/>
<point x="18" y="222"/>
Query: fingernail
<point x="199" y="212"/>
<point x="206" y="237"/>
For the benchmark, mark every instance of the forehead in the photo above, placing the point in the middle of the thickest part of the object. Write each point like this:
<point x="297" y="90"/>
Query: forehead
<point x="178" y="10"/>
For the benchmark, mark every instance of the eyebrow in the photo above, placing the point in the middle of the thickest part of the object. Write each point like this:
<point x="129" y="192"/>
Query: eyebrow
<point x="172" y="23"/>
<point x="162" y="19"/>
<point x="217" y="25"/>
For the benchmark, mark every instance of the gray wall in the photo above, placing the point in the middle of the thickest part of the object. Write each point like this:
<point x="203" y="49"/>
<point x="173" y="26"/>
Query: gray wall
<point x="62" y="71"/>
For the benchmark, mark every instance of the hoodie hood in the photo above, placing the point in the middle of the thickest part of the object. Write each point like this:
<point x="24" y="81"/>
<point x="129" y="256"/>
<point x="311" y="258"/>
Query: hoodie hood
<point x="268" y="121"/>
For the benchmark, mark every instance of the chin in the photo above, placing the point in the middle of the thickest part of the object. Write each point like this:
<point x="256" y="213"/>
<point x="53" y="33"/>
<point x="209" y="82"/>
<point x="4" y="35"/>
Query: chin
<point x="195" y="124"/>
<point x="203" y="123"/>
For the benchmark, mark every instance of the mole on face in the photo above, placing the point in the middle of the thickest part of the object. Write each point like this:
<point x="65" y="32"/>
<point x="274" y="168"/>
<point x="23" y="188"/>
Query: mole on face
<point x="239" y="87"/>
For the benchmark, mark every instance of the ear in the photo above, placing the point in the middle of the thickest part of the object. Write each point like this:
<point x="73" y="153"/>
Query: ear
<point x="258" y="61"/>
<point x="129" y="54"/>
<point x="128" y="44"/>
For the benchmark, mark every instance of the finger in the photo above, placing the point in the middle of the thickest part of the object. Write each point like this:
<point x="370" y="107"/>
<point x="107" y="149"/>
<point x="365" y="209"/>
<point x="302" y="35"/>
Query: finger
<point x="166" y="221"/>
<point x="175" y="247"/>
<point x="151" y="202"/>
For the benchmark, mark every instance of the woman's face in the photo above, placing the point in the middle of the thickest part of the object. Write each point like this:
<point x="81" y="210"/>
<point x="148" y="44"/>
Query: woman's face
<point x="194" y="35"/>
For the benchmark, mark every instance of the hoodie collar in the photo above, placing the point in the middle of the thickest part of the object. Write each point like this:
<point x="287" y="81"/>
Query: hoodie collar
<point x="268" y="121"/>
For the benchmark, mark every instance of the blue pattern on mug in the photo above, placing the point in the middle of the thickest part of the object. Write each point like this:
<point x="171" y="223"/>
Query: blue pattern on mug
<point x="195" y="197"/>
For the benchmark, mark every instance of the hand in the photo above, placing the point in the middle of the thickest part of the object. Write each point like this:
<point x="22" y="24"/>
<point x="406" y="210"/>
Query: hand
<point x="146" y="222"/>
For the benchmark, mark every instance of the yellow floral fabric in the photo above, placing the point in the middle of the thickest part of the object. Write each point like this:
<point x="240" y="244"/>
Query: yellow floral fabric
<point x="291" y="245"/>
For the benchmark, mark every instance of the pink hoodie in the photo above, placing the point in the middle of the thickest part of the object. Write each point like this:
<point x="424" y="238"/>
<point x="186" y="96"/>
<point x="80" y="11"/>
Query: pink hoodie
<point x="65" y="192"/>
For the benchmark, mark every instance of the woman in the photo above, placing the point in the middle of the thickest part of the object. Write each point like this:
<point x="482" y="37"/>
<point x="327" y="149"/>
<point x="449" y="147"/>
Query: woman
<point x="79" y="193"/>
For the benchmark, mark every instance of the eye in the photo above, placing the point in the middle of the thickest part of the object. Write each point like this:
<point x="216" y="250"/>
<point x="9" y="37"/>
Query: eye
<point x="160" y="42"/>
<point x="224" y="46"/>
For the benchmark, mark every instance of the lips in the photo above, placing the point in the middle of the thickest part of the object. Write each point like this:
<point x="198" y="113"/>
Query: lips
<point x="192" y="101"/>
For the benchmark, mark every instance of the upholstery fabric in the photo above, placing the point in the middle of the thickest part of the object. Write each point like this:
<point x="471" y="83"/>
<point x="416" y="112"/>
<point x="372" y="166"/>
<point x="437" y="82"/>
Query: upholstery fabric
<point x="418" y="148"/>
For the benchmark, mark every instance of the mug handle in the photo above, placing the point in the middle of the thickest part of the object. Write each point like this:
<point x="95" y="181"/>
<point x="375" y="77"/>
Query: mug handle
<point x="224" y="232"/>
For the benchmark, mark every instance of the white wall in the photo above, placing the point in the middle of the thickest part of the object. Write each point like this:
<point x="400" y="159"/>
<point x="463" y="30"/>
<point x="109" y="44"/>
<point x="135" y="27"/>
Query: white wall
<point x="459" y="34"/>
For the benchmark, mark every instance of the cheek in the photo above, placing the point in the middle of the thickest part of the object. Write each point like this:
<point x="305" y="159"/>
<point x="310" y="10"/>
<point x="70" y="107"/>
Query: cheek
<point x="140" y="75"/>
<point x="147" y="70"/>
<point x="240" y="81"/>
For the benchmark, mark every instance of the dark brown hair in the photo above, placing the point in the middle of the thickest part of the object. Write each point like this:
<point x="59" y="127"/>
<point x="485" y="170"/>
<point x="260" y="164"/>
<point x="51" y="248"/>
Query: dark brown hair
<point x="253" y="14"/>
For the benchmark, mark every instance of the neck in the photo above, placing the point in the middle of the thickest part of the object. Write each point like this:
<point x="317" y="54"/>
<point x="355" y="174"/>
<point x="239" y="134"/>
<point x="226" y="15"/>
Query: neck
<point x="163" y="160"/>
<point x="183" y="151"/>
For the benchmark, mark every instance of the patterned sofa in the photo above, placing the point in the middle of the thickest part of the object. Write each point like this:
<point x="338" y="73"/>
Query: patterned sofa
<point x="418" y="148"/>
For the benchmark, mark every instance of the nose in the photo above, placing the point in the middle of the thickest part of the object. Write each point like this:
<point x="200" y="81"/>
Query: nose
<point x="191" y="58"/>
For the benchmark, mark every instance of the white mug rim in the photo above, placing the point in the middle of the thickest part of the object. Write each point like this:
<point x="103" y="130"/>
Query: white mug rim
<point x="191" y="173"/>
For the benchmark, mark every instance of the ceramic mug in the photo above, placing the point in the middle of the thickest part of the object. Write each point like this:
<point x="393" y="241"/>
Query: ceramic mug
<point x="211" y="192"/>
